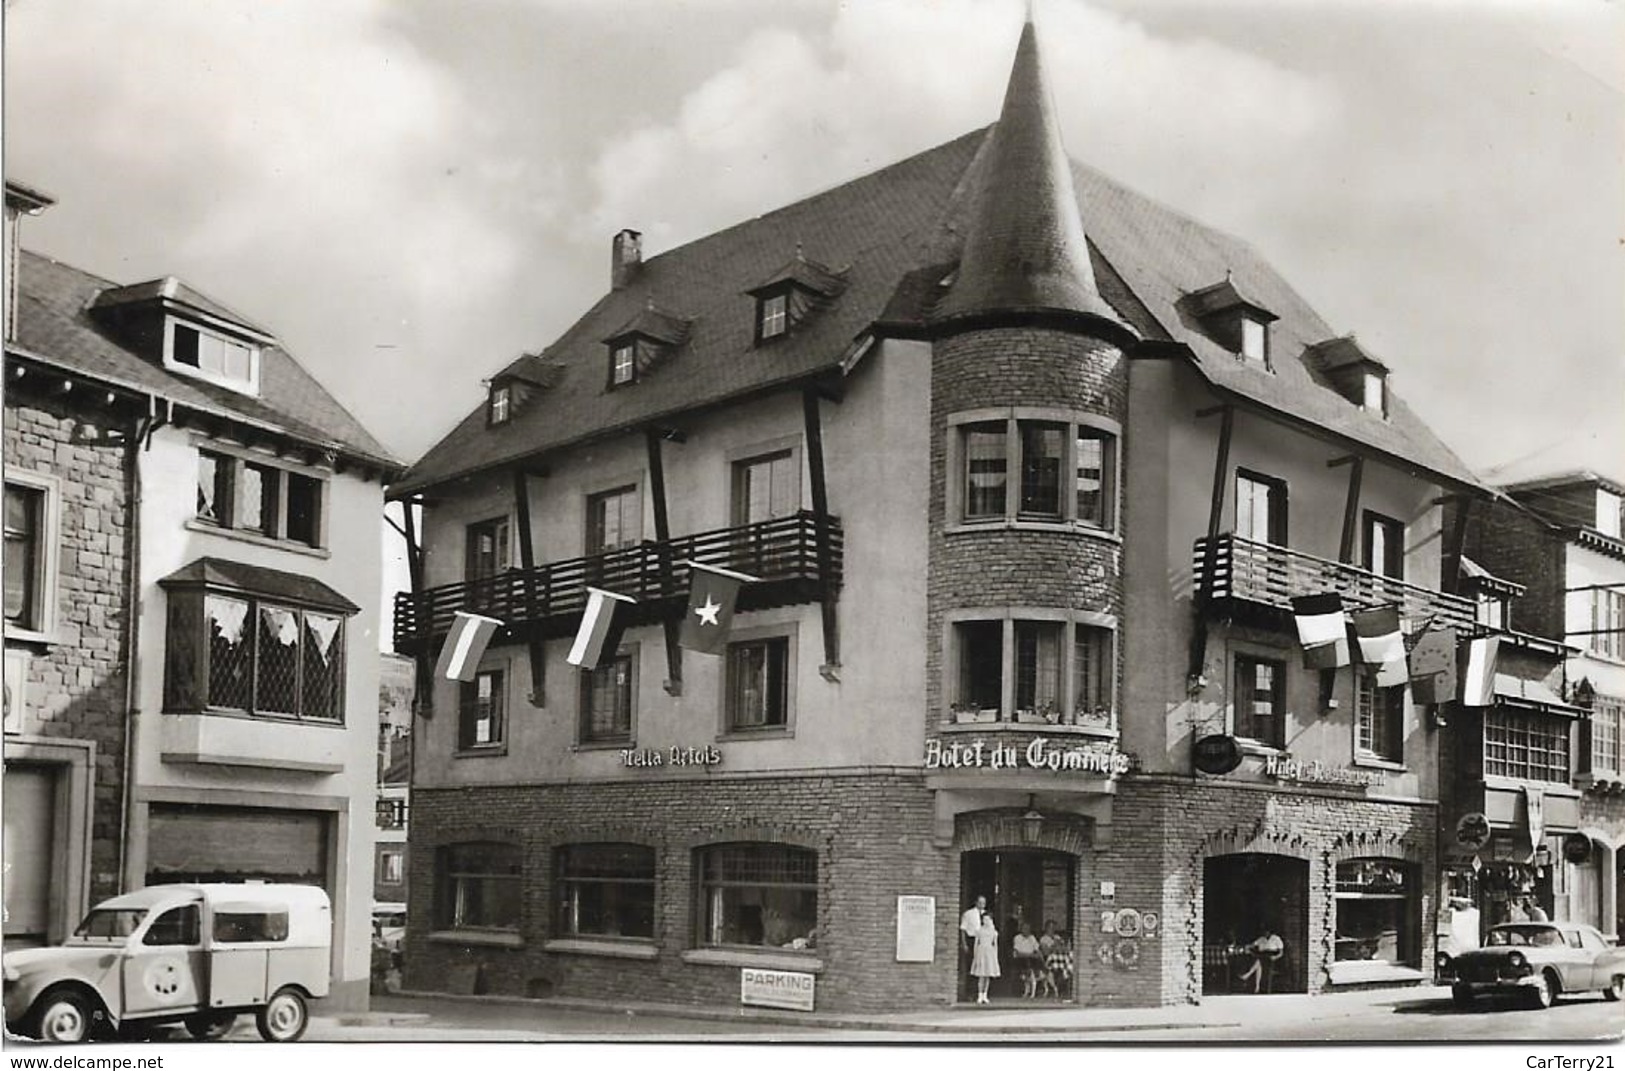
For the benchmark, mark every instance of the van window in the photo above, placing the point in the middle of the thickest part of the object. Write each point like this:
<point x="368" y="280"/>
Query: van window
<point x="232" y="927"/>
<point x="177" y="926"/>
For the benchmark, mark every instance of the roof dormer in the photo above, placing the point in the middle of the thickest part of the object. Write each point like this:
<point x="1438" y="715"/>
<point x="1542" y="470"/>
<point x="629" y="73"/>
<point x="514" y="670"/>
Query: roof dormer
<point x="186" y="332"/>
<point x="642" y="344"/>
<point x="514" y="386"/>
<point x="791" y="295"/>
<point x="1353" y="372"/>
<point x="1233" y="320"/>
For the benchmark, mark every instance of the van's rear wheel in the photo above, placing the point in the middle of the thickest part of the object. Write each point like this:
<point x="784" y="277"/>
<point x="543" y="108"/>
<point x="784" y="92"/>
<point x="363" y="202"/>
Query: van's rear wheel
<point x="210" y="1026"/>
<point x="284" y="1016"/>
<point x="64" y="1017"/>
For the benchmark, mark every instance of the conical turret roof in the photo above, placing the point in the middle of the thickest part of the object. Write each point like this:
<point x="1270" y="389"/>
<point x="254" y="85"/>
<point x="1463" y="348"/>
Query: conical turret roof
<point x="1025" y="249"/>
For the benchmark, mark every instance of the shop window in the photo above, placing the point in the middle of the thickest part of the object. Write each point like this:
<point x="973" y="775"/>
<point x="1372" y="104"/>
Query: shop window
<point x="259" y="498"/>
<point x="478" y="886"/>
<point x="605" y="890"/>
<point x="758" y="895"/>
<point x="30" y="553"/>
<point x="1379" y="720"/>
<point x="1377" y="911"/>
<point x="758" y="684"/>
<point x="1384" y="546"/>
<point x="614" y="520"/>
<point x="1607" y="731"/>
<point x="1066" y="472"/>
<point x="1526" y="745"/>
<point x="482" y="711"/>
<point x="606" y="702"/>
<point x="247" y="654"/>
<point x="1260" y="700"/>
<point x="1261" y="508"/>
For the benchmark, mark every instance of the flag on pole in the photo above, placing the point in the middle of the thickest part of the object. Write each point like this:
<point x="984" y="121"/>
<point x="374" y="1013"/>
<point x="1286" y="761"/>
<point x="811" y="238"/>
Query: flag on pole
<point x="1478" y="677"/>
<point x="1433" y="666"/>
<point x="601" y="628"/>
<point x="1322" y="630"/>
<point x="1382" y="644"/>
<point x="465" y="643"/>
<point x="712" y="593"/>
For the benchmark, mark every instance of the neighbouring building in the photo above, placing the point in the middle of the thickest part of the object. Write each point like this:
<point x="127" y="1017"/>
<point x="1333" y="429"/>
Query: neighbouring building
<point x="395" y="694"/>
<point x="1027" y="469"/>
<point x="240" y="516"/>
<point x="1559" y="538"/>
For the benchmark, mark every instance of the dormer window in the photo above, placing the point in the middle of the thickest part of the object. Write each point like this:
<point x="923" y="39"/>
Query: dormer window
<point x="1254" y="339"/>
<point x="1352" y="372"/>
<point x="1233" y="320"/>
<point x="623" y="368"/>
<point x="1610" y="513"/>
<point x="211" y="355"/>
<point x="774" y="318"/>
<point x="501" y="404"/>
<point x="1376" y="393"/>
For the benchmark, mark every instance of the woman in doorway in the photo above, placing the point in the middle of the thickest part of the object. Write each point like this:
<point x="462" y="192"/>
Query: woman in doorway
<point x="984" y="964"/>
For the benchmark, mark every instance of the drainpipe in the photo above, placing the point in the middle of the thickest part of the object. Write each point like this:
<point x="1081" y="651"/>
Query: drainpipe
<point x="141" y="439"/>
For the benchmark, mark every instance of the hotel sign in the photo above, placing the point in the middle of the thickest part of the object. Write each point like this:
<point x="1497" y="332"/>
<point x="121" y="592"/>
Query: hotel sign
<point x="1286" y="768"/>
<point x="776" y="989"/>
<point x="1042" y="754"/>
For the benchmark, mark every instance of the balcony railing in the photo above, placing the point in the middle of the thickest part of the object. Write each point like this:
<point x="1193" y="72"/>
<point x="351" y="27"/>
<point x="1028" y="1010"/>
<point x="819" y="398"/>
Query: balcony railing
<point x="1240" y="570"/>
<point x="796" y="559"/>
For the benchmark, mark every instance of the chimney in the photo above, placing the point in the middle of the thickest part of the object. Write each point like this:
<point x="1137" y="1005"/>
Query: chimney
<point x="626" y="253"/>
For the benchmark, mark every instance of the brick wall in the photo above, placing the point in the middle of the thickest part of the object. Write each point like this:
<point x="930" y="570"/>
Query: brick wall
<point x="1517" y="547"/>
<point x="76" y="686"/>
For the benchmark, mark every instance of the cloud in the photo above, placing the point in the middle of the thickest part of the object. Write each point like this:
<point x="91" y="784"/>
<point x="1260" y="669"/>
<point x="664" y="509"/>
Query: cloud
<point x="787" y="116"/>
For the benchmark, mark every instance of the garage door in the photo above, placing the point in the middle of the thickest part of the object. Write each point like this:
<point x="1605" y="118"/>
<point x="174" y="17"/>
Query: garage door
<point x="30" y="793"/>
<point x="187" y="843"/>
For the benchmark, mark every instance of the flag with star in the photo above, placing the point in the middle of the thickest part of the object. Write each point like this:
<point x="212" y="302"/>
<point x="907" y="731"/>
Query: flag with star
<point x="712" y="593"/>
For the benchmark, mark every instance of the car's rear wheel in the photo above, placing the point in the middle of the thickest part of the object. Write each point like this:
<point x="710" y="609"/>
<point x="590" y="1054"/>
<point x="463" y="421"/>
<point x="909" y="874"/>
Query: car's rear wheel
<point x="1461" y="995"/>
<point x="1544" y="992"/>
<point x="210" y="1026"/>
<point x="284" y="1016"/>
<point x="1615" y="989"/>
<point x="64" y="1016"/>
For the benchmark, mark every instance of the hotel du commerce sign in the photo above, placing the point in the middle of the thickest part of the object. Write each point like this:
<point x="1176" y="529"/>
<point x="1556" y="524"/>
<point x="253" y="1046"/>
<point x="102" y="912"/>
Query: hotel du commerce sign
<point x="1041" y="753"/>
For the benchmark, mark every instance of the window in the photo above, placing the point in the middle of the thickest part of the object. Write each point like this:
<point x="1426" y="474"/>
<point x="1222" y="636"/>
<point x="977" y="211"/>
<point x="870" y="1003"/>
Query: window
<point x="486" y="549"/>
<point x="773" y="318"/>
<point x="606" y="890"/>
<point x="30" y="556"/>
<point x="623" y="367"/>
<point x="247" y="654"/>
<point x="257" y="497"/>
<point x="758" y="684"/>
<point x="1377" y="912"/>
<point x="1379" y="720"/>
<point x="1066" y="472"/>
<point x="766" y="487"/>
<point x="1384" y="546"/>
<point x="240" y="927"/>
<point x="1254" y="339"/>
<point x="500" y="405"/>
<point x="1060" y="672"/>
<point x="1260" y="508"/>
<point x="1607" y="732"/>
<point x="1375" y="395"/>
<point x="478" y="886"/>
<point x="390" y="866"/>
<point x="614" y="520"/>
<point x="1608" y="623"/>
<point x="762" y="895"/>
<point x="1260" y="703"/>
<point x="606" y="702"/>
<point x="177" y="926"/>
<point x="1527" y="745"/>
<point x="1610" y="510"/>
<point x="482" y="711"/>
<point x="1490" y="610"/>
<point x="214" y="357"/>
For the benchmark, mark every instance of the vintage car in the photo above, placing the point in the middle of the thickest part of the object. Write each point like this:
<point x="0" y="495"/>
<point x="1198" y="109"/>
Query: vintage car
<point x="388" y="924"/>
<point x="194" y="954"/>
<point x="1540" y="961"/>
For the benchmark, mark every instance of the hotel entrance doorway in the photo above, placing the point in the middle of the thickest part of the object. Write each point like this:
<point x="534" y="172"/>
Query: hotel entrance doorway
<point x="1023" y="887"/>
<point x="1255" y="924"/>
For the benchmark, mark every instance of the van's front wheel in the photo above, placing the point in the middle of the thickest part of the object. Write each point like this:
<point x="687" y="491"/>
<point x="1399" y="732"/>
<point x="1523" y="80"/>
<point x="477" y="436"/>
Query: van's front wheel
<point x="64" y="1017"/>
<point x="284" y="1016"/>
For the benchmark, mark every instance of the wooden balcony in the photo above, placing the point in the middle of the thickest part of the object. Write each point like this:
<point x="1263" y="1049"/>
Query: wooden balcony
<point x="1239" y="575"/>
<point x="796" y="559"/>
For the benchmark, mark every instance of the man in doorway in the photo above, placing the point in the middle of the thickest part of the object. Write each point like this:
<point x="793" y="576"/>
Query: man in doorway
<point x="1267" y="949"/>
<point x="970" y="924"/>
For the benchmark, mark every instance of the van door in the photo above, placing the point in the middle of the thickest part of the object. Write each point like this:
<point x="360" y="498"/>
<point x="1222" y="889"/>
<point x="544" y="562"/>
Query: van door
<point x="241" y="937"/>
<point x="163" y="968"/>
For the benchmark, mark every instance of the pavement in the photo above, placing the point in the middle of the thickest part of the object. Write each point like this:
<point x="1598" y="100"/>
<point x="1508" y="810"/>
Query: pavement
<point x="1004" y="1018"/>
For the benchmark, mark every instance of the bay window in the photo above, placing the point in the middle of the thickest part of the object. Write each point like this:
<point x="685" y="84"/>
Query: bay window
<point x="1526" y="744"/>
<point x="1050" y="668"/>
<point x="1065" y="469"/>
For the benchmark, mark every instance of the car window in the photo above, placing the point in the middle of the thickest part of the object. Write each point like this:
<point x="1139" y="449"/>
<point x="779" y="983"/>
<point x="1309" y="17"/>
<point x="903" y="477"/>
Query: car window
<point x="233" y="927"/>
<point x="1545" y="938"/>
<point x="177" y="926"/>
<point x="1592" y="940"/>
<point x="1572" y="937"/>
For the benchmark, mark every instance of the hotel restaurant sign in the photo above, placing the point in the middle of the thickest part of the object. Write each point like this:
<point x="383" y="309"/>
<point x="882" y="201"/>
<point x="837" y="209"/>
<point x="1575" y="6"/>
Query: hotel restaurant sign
<point x="1219" y="755"/>
<point x="1041" y="754"/>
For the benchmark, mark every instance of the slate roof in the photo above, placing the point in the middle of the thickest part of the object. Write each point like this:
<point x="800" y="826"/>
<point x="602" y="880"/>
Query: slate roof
<point x="54" y="323"/>
<point x="903" y="231"/>
<point x="240" y="576"/>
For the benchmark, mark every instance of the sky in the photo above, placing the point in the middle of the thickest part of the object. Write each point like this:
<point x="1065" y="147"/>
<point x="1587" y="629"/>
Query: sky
<point x="411" y="193"/>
